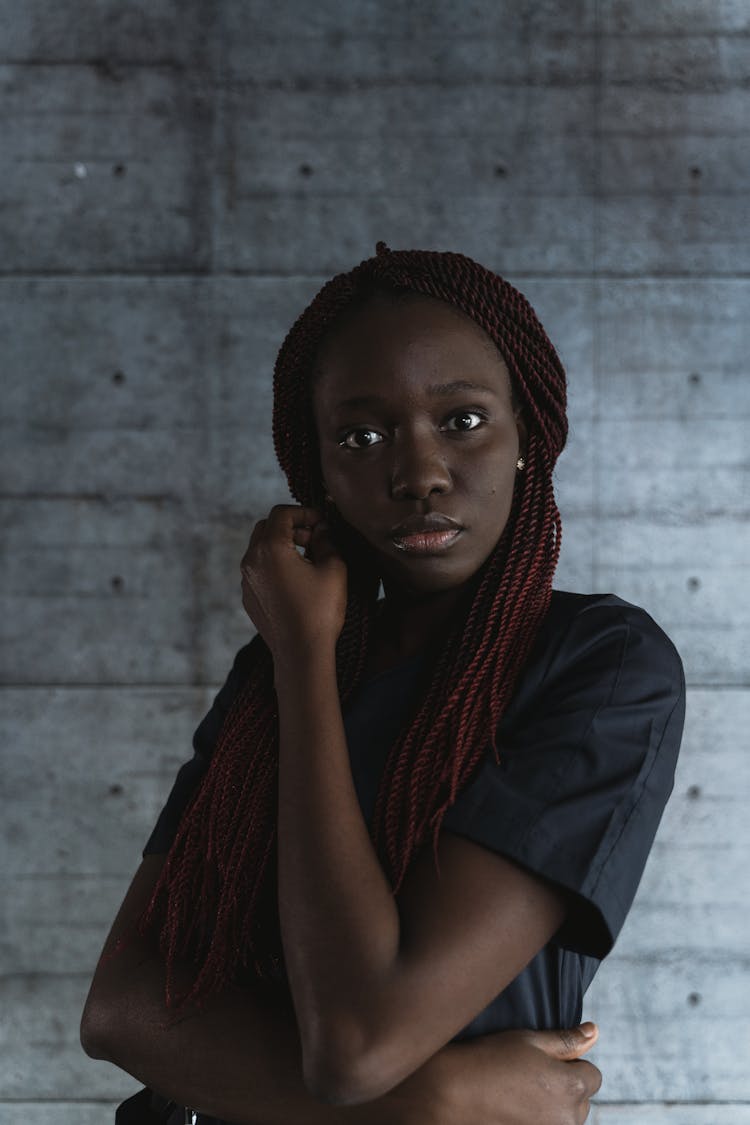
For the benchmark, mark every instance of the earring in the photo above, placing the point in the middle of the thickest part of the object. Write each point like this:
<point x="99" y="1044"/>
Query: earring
<point x="521" y="463"/>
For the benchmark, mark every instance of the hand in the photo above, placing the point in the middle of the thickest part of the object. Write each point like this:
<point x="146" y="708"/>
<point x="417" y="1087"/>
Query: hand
<point x="506" y="1078"/>
<point x="295" y="602"/>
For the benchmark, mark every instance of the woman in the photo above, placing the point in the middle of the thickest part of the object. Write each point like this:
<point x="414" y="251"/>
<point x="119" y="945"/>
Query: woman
<point x="417" y="819"/>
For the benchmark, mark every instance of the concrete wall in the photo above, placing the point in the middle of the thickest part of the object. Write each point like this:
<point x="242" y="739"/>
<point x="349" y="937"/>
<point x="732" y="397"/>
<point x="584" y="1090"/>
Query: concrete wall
<point x="177" y="180"/>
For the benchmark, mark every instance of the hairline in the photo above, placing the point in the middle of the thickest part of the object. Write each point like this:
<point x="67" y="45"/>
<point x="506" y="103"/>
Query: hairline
<point x="397" y="295"/>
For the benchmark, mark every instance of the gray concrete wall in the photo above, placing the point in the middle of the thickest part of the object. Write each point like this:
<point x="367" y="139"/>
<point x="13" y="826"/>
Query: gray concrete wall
<point x="177" y="180"/>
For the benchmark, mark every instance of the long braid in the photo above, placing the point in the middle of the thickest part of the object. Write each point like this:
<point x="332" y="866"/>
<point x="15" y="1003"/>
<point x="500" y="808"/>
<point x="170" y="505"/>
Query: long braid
<point x="215" y="902"/>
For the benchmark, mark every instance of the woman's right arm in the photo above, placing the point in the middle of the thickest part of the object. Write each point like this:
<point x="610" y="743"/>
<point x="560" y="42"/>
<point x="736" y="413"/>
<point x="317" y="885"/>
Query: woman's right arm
<point x="239" y="1057"/>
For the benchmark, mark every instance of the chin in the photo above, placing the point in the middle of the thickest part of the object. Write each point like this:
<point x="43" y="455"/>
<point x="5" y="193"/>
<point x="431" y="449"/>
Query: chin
<point x="429" y="575"/>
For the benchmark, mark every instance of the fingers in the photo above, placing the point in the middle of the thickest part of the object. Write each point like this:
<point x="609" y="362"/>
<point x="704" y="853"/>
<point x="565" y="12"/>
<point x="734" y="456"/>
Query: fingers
<point x="566" y="1043"/>
<point x="321" y="547"/>
<point x="593" y="1078"/>
<point x="285" y="519"/>
<point x="256" y="534"/>
<point x="584" y="1080"/>
<point x="288" y="523"/>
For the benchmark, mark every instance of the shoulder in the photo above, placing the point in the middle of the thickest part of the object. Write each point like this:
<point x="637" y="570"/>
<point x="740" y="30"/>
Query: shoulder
<point x="584" y="761"/>
<point x="209" y="728"/>
<point x="603" y="694"/>
<point x="593" y="614"/>
<point x="602" y="637"/>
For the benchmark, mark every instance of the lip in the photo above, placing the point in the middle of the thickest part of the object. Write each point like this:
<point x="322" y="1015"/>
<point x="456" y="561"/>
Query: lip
<point x="426" y="535"/>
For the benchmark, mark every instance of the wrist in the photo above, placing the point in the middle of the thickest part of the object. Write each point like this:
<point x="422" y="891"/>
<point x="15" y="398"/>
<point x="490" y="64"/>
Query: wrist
<point x="429" y="1093"/>
<point x="309" y="661"/>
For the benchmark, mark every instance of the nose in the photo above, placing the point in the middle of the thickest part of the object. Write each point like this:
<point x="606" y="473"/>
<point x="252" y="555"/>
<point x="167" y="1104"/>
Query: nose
<point x="419" y="468"/>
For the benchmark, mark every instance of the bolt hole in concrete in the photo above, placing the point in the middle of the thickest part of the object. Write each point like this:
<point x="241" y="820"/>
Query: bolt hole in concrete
<point x="115" y="790"/>
<point x="694" y="379"/>
<point x="694" y="999"/>
<point x="305" y="170"/>
<point x="694" y="792"/>
<point x="695" y="172"/>
<point x="118" y="170"/>
<point x="118" y="378"/>
<point x="501" y="170"/>
<point x="118" y="583"/>
<point x="693" y="583"/>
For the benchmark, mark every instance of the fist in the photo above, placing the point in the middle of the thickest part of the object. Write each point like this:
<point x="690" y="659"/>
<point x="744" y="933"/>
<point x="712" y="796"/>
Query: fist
<point x="297" y="602"/>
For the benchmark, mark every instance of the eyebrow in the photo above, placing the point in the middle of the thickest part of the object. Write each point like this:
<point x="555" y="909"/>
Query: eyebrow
<point x="437" y="390"/>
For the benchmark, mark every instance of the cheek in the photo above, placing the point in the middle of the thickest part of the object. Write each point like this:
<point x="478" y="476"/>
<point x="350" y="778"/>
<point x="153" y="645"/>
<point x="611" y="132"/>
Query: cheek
<point x="492" y="477"/>
<point x="491" y="490"/>
<point x="330" y="471"/>
<point x="347" y="491"/>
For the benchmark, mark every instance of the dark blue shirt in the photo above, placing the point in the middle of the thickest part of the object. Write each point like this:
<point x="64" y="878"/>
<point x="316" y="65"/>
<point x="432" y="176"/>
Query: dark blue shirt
<point x="587" y="749"/>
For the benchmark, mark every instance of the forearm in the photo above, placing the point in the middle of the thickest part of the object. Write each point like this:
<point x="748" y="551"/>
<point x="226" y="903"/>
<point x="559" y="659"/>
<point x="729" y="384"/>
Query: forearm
<point x="339" y="919"/>
<point x="239" y="1058"/>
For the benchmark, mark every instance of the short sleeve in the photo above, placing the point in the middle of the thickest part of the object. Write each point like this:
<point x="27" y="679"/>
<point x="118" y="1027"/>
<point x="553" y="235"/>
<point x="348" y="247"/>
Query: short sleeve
<point x="586" y="767"/>
<point x="192" y="772"/>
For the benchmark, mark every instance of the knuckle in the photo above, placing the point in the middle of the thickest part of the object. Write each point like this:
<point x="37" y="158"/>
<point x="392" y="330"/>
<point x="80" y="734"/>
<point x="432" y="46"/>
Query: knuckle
<point x="568" y="1039"/>
<point x="576" y="1085"/>
<point x="591" y="1077"/>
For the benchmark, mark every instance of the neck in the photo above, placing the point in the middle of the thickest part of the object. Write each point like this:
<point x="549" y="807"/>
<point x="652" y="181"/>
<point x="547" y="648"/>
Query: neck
<point x="409" y="622"/>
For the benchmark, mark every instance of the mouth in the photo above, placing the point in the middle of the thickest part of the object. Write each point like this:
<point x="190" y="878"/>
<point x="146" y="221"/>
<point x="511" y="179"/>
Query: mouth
<point x="432" y="534"/>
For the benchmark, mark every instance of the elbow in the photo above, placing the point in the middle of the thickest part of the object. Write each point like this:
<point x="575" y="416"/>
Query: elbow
<point x="331" y="1084"/>
<point x="92" y="1033"/>
<point x="97" y="1024"/>
<point x="340" y="1075"/>
<point x="339" y="1085"/>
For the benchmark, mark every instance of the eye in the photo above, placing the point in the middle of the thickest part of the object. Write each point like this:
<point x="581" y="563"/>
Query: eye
<point x="360" y="439"/>
<point x="465" y="420"/>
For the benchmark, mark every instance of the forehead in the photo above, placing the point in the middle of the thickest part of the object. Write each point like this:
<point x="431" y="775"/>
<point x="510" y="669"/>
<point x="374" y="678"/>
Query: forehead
<point x="405" y="343"/>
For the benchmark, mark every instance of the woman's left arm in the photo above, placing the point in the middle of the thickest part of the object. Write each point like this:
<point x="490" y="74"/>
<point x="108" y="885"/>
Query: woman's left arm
<point x="378" y="985"/>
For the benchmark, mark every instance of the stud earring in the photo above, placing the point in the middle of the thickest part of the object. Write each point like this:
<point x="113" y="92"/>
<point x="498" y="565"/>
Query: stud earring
<point x="521" y="463"/>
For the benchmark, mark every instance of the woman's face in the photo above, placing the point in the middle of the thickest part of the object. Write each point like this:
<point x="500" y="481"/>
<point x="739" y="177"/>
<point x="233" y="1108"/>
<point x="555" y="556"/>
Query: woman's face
<point x="419" y="438"/>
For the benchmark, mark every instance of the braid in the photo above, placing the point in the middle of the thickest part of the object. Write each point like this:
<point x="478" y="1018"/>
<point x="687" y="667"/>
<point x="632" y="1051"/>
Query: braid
<point x="215" y="902"/>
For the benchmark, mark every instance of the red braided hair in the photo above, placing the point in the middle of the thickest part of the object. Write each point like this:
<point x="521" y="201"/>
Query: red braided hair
<point x="215" y="902"/>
